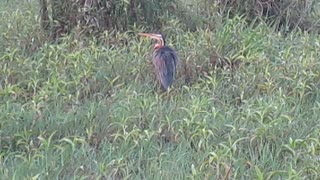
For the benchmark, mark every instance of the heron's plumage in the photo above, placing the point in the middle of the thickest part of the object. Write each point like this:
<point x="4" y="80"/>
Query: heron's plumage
<point x="165" y="60"/>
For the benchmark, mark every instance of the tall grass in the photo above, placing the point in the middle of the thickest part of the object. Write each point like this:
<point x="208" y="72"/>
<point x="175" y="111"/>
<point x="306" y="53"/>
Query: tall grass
<point x="91" y="108"/>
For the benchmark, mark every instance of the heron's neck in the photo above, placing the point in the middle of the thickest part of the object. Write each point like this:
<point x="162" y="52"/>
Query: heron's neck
<point x="160" y="44"/>
<point x="157" y="46"/>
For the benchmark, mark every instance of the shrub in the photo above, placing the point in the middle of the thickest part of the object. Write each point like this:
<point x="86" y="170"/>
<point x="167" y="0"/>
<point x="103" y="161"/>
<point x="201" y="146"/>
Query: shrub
<point x="287" y="14"/>
<point x="99" y="15"/>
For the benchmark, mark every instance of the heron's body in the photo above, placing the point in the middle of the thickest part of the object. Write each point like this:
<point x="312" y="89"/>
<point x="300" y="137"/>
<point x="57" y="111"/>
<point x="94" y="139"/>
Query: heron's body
<point x="164" y="60"/>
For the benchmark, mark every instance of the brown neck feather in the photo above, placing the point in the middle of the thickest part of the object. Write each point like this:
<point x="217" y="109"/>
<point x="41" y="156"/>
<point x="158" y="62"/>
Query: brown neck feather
<point x="159" y="44"/>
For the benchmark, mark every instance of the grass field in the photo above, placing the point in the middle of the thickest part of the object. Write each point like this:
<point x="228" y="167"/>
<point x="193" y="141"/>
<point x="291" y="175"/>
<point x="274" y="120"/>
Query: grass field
<point x="89" y="109"/>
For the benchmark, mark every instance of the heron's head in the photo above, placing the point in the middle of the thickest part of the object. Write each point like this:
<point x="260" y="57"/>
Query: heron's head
<point x="158" y="37"/>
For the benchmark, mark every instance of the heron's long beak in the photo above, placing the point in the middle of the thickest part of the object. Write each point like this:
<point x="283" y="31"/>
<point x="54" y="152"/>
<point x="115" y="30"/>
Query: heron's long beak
<point x="150" y="35"/>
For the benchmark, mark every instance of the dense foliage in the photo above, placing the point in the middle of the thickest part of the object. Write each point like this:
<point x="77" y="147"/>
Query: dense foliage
<point x="99" y="15"/>
<point x="85" y="104"/>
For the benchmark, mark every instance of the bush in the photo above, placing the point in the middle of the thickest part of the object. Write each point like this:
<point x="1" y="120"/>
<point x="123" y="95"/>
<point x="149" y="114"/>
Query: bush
<point x="287" y="14"/>
<point x="99" y="15"/>
<point x="91" y="16"/>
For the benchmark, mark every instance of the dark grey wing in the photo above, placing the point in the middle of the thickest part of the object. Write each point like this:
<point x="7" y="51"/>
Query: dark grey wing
<point x="161" y="71"/>
<point x="165" y="61"/>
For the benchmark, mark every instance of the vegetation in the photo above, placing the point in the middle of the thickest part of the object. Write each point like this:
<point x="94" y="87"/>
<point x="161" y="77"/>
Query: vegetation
<point x="245" y="104"/>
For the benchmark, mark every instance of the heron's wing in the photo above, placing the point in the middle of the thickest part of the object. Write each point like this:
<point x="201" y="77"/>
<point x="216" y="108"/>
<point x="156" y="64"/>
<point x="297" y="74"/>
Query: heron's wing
<point x="165" y="65"/>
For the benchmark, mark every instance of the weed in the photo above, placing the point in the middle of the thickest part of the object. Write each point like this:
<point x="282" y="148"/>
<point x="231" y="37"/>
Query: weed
<point x="245" y="104"/>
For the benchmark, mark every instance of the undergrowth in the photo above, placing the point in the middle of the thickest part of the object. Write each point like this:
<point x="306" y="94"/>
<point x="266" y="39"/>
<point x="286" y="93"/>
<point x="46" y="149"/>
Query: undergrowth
<point x="245" y="104"/>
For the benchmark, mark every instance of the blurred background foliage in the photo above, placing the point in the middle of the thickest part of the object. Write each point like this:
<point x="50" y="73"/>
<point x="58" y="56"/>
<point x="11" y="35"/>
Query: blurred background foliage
<point x="60" y="17"/>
